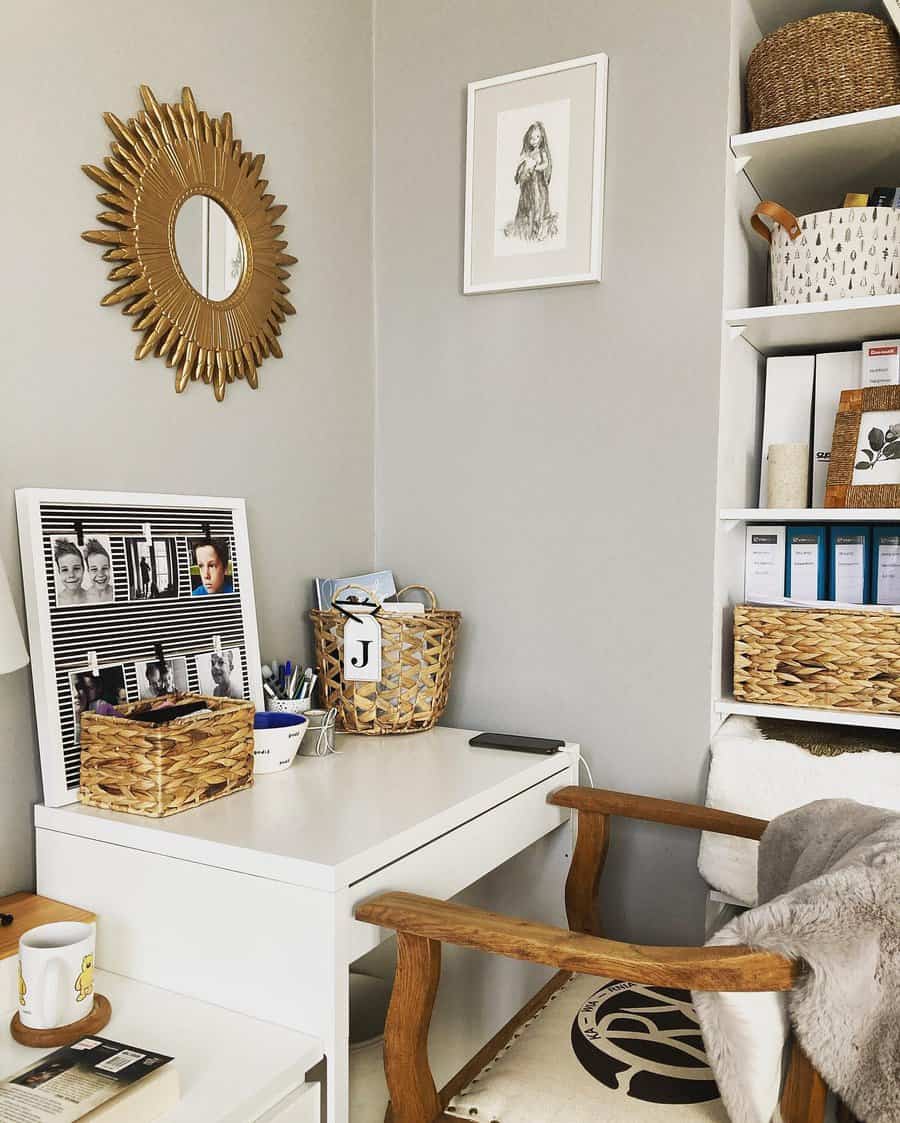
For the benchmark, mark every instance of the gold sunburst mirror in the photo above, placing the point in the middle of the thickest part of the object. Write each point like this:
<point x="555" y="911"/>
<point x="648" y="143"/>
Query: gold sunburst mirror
<point x="195" y="240"/>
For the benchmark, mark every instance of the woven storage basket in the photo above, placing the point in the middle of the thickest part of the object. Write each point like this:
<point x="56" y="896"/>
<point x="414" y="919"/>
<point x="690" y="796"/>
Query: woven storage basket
<point x="839" y="62"/>
<point x="831" y="659"/>
<point x="416" y="666"/>
<point x="160" y="770"/>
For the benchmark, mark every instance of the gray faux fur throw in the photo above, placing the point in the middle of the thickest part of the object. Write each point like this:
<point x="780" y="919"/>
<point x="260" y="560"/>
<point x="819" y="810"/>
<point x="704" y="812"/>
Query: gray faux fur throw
<point x="829" y="893"/>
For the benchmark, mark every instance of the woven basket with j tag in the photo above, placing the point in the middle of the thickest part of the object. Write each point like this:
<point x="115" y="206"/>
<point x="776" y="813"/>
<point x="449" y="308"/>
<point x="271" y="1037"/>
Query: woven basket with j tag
<point x="416" y="667"/>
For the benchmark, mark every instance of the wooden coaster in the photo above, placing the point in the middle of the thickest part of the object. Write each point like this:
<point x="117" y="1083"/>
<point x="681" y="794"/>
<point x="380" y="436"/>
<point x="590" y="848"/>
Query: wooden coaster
<point x="63" y="1035"/>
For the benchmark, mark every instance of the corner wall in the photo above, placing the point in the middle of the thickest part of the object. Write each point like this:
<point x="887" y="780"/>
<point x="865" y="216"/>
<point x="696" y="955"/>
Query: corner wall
<point x="546" y="459"/>
<point x="78" y="411"/>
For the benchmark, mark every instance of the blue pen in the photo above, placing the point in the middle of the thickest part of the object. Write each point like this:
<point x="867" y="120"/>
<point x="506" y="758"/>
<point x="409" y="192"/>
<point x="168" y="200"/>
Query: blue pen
<point x="287" y="672"/>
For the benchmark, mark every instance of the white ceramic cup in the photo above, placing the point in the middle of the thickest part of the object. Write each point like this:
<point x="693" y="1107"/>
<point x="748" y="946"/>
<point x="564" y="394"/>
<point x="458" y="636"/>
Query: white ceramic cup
<point x="56" y="974"/>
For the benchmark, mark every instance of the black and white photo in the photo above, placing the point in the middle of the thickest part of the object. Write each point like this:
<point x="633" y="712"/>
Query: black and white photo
<point x="156" y="679"/>
<point x="89" y="689"/>
<point x="83" y="573"/>
<point x="221" y="674"/>
<point x="152" y="568"/>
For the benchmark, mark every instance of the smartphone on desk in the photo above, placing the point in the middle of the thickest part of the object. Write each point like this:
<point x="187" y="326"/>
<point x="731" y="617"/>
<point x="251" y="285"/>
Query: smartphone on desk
<point x="544" y="746"/>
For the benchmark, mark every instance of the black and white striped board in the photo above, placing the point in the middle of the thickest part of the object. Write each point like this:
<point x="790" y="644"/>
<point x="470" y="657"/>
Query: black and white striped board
<point x="110" y="579"/>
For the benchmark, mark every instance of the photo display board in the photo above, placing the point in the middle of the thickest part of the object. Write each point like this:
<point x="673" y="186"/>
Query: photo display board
<point x="113" y="581"/>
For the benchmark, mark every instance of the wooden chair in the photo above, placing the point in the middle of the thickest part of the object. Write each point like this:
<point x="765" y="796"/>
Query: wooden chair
<point x="423" y="924"/>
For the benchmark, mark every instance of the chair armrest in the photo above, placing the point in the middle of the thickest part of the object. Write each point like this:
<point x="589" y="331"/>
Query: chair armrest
<point x="598" y="801"/>
<point x="694" y="968"/>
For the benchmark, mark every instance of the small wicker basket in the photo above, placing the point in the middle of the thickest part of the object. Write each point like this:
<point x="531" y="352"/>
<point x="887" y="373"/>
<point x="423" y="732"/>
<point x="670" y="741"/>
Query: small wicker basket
<point x="838" y="62"/>
<point x="159" y="770"/>
<point x="831" y="659"/>
<point x="416" y="667"/>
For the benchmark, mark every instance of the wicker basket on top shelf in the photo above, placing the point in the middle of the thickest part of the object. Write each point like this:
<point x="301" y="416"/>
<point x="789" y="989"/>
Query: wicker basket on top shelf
<point x="838" y="62"/>
<point x="416" y="666"/>
<point x="829" y="659"/>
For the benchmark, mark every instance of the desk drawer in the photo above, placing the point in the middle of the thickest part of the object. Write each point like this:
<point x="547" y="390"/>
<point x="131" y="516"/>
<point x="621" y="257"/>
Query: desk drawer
<point x="459" y="858"/>
<point x="301" y="1106"/>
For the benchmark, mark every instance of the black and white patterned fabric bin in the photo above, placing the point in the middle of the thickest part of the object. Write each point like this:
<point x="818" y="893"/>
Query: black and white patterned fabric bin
<point x="600" y="1050"/>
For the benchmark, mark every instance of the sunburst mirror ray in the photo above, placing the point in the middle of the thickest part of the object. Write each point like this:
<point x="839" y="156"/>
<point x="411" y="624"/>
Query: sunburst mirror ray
<point x="162" y="158"/>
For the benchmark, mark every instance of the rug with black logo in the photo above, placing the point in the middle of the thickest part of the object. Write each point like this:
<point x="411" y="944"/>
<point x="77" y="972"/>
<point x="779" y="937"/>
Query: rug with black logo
<point x="600" y="1050"/>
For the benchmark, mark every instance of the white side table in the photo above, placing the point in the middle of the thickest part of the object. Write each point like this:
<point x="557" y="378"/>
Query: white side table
<point x="248" y="902"/>
<point x="232" y="1069"/>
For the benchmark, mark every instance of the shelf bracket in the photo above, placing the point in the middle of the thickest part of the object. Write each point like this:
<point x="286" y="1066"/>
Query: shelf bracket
<point x="740" y="163"/>
<point x="735" y="331"/>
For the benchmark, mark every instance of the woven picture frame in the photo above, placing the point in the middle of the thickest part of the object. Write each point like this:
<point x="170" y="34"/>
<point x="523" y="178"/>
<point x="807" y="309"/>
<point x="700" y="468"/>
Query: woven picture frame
<point x="840" y="490"/>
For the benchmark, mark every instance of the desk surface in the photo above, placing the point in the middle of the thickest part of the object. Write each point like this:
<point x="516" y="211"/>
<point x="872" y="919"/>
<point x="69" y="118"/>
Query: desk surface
<point x="329" y="821"/>
<point x="231" y="1068"/>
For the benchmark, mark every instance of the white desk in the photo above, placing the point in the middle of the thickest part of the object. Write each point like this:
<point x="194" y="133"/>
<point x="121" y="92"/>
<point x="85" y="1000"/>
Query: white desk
<point x="232" y="1069"/>
<point x="248" y="901"/>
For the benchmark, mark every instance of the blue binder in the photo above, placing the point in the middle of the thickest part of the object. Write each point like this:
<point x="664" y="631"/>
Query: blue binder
<point x="841" y="540"/>
<point x="805" y="571"/>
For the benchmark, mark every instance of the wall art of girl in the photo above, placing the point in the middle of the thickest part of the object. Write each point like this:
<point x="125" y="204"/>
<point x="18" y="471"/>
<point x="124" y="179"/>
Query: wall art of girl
<point x="534" y="220"/>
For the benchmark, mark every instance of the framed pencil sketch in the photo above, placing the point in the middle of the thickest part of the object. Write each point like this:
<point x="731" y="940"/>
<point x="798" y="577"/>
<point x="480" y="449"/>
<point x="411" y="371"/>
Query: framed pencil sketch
<point x="535" y="154"/>
<point x="864" y="469"/>
<point x="131" y="596"/>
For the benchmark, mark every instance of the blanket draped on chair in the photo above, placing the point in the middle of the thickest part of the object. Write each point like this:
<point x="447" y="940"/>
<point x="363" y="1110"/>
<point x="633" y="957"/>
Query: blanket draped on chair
<point x="829" y="893"/>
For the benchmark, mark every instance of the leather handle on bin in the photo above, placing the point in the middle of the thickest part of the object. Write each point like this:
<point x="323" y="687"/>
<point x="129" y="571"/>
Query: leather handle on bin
<point x="780" y="215"/>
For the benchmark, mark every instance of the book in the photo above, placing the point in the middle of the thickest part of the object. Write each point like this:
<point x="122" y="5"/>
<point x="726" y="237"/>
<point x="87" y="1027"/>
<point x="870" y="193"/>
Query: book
<point x="94" y="1079"/>
<point x="835" y="371"/>
<point x="379" y="585"/>
<point x="788" y="408"/>
<point x="881" y="362"/>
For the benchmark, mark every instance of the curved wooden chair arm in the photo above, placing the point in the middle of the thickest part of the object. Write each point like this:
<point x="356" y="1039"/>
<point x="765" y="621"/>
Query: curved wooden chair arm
<point x="693" y="968"/>
<point x="601" y="802"/>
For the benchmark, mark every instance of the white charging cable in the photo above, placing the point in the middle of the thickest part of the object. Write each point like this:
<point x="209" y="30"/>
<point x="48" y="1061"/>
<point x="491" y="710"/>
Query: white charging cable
<point x="587" y="769"/>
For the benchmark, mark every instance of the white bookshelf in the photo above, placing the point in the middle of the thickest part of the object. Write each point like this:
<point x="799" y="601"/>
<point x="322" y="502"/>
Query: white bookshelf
<point x="726" y="706"/>
<point x="805" y="167"/>
<point x="810" y="515"/>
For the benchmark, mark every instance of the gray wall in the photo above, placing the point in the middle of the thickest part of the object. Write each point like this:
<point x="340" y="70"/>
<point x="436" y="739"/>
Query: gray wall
<point x="546" y="459"/>
<point x="77" y="410"/>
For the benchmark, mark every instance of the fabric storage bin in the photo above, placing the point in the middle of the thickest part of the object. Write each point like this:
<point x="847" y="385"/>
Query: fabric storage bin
<point x="831" y="255"/>
<point x="416" y="666"/>
<point x="832" y="659"/>
<point x="159" y="770"/>
<point x="838" y="62"/>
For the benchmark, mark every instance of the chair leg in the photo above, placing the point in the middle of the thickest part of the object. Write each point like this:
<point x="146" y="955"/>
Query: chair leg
<point x="844" y="1114"/>
<point x="414" y="1098"/>
<point x="805" y="1092"/>
<point x="586" y="867"/>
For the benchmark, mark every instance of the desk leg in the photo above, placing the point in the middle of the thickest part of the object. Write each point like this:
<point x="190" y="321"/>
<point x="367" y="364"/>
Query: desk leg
<point x="337" y="1042"/>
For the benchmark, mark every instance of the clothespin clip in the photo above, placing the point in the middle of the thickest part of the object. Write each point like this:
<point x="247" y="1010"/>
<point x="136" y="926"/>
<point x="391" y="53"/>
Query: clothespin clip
<point x="79" y="532"/>
<point x="160" y="655"/>
<point x="206" y="532"/>
<point x="217" y="645"/>
<point x="93" y="664"/>
<point x="148" y="534"/>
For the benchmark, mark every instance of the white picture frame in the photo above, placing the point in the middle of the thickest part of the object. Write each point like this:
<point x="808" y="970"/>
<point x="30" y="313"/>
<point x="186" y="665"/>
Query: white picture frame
<point x="125" y="632"/>
<point x="562" y="215"/>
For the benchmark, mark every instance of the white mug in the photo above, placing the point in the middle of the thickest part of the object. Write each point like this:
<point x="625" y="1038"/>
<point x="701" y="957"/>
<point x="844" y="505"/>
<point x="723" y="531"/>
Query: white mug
<point x="56" y="974"/>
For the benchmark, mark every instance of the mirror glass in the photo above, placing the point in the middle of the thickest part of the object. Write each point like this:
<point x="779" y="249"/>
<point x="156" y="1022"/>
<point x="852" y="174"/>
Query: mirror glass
<point x="209" y="248"/>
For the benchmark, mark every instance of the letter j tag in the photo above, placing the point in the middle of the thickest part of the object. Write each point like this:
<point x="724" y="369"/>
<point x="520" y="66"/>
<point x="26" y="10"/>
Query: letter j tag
<point x="362" y="650"/>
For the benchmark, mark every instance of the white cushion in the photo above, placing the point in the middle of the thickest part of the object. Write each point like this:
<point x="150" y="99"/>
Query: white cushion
<point x="600" y="1051"/>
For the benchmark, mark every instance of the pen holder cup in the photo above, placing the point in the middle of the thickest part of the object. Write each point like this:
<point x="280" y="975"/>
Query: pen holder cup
<point x="288" y="705"/>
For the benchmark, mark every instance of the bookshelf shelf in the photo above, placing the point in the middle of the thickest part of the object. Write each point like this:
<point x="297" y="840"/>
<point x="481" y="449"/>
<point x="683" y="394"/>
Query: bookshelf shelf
<point x="783" y="329"/>
<point x="726" y="706"/>
<point x="811" y="166"/>
<point x="810" y="515"/>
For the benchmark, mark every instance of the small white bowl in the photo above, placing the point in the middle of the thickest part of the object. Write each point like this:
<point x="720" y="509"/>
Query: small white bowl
<point x="276" y="739"/>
